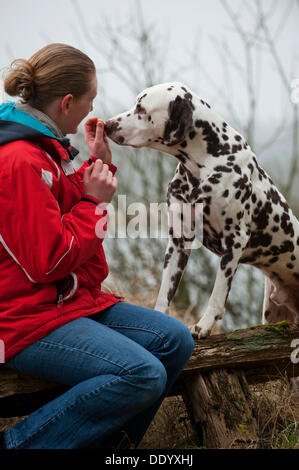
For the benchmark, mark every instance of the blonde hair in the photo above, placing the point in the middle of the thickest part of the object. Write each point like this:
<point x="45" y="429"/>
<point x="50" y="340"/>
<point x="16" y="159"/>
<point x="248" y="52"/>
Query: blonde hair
<point x="53" y="71"/>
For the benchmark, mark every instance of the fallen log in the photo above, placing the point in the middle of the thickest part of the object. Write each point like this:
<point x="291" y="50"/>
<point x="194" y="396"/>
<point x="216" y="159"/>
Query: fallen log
<point x="214" y="384"/>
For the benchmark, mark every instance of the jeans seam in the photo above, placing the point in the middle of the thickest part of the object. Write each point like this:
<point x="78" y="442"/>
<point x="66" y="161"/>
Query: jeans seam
<point x="142" y="329"/>
<point x="61" y="413"/>
<point x="65" y="346"/>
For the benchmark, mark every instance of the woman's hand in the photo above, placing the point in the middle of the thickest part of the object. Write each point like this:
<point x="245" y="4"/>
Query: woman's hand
<point x="96" y="139"/>
<point x="99" y="182"/>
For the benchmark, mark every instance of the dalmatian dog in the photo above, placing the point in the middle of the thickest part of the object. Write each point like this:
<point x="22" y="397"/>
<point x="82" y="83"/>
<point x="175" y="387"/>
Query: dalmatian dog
<point x="244" y="217"/>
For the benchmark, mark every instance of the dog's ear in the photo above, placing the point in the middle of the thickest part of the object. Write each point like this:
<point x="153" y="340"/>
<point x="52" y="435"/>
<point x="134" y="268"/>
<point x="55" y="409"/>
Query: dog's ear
<point x="180" y="120"/>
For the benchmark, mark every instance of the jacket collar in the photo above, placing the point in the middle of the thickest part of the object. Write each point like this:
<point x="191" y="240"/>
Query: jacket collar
<point x="41" y="117"/>
<point x="15" y="124"/>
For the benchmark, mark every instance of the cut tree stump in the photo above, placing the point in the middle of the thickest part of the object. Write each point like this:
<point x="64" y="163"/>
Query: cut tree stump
<point x="214" y="383"/>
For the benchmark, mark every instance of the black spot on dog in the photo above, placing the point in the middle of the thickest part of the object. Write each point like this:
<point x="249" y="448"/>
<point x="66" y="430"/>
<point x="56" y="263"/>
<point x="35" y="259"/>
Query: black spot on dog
<point x="250" y="166"/>
<point x="182" y="260"/>
<point x="228" y="272"/>
<point x="229" y="241"/>
<point x="262" y="218"/>
<point x="236" y="148"/>
<point x="238" y="169"/>
<point x="226" y="258"/>
<point x="179" y="121"/>
<point x="181" y="157"/>
<point x="267" y="313"/>
<point x="214" y="146"/>
<point x="111" y="127"/>
<point x="259" y="238"/>
<point x="214" y="179"/>
<point x="175" y="280"/>
<point x="168" y="256"/>
<point x="139" y="109"/>
<point x="223" y="169"/>
<point x="141" y="97"/>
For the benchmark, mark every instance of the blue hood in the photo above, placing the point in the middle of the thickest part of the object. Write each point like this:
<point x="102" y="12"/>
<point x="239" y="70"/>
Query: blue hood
<point x="17" y="125"/>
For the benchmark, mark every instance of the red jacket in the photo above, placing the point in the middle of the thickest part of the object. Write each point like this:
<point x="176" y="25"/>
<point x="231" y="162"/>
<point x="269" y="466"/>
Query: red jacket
<point x="52" y="262"/>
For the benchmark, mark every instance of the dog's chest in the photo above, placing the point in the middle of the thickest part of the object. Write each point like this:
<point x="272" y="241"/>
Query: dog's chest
<point x="205" y="194"/>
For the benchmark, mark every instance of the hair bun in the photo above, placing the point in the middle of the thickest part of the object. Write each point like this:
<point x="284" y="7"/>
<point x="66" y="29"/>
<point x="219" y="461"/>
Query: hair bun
<point x="20" y="80"/>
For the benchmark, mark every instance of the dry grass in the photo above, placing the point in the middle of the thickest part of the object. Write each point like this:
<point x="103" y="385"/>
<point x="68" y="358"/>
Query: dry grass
<point x="276" y="409"/>
<point x="276" y="406"/>
<point x="171" y="427"/>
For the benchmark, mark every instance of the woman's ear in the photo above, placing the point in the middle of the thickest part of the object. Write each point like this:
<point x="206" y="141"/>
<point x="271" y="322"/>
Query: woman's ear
<point x="66" y="103"/>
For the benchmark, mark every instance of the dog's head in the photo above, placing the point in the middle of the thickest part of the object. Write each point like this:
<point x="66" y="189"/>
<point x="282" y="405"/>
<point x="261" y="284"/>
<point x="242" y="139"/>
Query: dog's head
<point x="162" y="114"/>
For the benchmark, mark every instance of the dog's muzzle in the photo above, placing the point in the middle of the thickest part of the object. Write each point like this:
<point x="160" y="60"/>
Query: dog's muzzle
<point x="111" y="127"/>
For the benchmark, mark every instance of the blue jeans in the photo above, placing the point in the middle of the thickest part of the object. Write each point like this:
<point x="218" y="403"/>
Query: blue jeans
<point x="119" y="363"/>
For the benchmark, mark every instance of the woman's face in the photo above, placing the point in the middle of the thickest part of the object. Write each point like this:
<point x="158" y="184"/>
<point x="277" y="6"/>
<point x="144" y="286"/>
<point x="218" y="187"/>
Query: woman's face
<point x="81" y="107"/>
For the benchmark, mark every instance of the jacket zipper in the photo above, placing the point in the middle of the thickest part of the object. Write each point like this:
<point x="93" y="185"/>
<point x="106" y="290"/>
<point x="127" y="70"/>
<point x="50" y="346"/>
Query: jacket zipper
<point x="63" y="287"/>
<point x="59" y="296"/>
<point x="60" y="301"/>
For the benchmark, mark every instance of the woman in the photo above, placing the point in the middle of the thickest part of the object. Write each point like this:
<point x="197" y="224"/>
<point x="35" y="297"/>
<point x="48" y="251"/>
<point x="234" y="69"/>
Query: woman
<point x="118" y="359"/>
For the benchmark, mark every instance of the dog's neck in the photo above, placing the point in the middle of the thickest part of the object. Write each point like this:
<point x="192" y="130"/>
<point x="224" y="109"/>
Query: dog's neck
<point x="210" y="138"/>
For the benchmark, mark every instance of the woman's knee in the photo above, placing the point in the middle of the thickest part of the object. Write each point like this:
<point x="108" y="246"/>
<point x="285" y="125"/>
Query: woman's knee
<point x="180" y="339"/>
<point x="150" y="379"/>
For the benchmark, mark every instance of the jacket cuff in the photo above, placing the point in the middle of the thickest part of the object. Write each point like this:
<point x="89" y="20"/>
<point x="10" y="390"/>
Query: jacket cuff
<point x="112" y="167"/>
<point x="92" y="199"/>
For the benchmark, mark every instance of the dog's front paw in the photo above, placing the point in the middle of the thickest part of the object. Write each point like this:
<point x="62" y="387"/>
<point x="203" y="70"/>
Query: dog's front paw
<point x="199" y="332"/>
<point x="203" y="328"/>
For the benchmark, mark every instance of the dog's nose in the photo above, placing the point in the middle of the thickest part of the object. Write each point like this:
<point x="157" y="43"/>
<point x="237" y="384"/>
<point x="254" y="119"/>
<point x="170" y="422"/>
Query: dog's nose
<point x="111" y="126"/>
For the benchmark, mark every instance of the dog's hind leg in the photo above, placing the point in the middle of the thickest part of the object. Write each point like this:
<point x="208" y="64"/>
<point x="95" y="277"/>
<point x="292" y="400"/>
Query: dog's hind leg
<point x="279" y="304"/>
<point x="266" y="302"/>
<point x="176" y="258"/>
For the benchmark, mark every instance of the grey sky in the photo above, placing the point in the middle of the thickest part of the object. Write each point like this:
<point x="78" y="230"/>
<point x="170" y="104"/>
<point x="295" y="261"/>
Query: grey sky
<point x="27" y="25"/>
